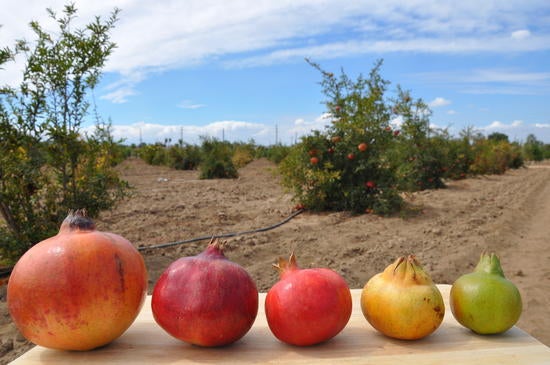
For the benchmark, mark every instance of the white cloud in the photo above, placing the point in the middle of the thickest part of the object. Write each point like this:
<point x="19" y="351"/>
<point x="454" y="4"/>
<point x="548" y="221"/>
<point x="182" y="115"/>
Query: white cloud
<point x="188" y="104"/>
<point x="235" y="131"/>
<point x="397" y="122"/>
<point x="158" y="36"/>
<point x="521" y="34"/>
<point x="438" y="102"/>
<point x="119" y="95"/>
<point x="511" y="81"/>
<point x="451" y="112"/>
<point x="302" y="126"/>
<point x="503" y="126"/>
<point x="118" y="91"/>
<point x="518" y="130"/>
<point x="517" y="123"/>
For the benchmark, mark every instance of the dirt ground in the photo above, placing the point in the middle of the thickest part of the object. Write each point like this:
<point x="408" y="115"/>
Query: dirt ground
<point x="446" y="229"/>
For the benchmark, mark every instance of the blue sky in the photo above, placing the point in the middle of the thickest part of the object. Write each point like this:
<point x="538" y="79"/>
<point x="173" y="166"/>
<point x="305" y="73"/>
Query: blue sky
<point x="236" y="69"/>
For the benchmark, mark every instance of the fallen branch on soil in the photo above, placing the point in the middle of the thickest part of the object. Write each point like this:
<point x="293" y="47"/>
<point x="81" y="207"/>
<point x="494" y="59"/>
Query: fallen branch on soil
<point x="225" y="235"/>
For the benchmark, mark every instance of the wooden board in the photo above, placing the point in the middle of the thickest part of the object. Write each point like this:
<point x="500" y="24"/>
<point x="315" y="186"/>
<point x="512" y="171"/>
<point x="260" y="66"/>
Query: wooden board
<point x="146" y="343"/>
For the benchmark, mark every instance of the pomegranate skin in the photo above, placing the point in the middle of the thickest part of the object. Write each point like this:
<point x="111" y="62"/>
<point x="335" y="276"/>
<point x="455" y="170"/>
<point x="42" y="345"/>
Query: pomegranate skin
<point x="402" y="301"/>
<point x="78" y="290"/>
<point x="307" y="306"/>
<point x="206" y="300"/>
<point x="484" y="300"/>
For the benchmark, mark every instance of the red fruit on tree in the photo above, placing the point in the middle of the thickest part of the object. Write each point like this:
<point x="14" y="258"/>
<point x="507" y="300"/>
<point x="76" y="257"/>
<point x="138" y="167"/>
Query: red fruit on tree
<point x="362" y="147"/>
<point x="314" y="160"/>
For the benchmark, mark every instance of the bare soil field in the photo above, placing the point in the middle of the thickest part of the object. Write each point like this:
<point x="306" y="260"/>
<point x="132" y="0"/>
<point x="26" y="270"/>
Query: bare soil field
<point x="446" y="229"/>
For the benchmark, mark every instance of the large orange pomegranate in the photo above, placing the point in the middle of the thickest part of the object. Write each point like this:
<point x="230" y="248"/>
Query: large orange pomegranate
<point x="79" y="289"/>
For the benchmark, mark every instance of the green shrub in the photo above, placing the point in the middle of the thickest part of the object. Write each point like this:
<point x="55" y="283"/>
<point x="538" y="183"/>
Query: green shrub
<point x="533" y="149"/>
<point x="216" y="160"/>
<point x="274" y="153"/>
<point x="495" y="157"/>
<point x="184" y="157"/>
<point x="243" y="154"/>
<point x="153" y="154"/>
<point x="47" y="165"/>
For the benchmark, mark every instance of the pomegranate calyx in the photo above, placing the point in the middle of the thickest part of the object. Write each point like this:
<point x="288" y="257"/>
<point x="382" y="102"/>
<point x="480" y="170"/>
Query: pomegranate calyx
<point x="489" y="264"/>
<point x="284" y="265"/>
<point x="409" y="271"/>
<point x="215" y="248"/>
<point x="77" y="220"/>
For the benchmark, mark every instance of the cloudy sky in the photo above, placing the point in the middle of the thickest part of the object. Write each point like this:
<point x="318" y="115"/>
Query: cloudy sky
<point x="236" y="69"/>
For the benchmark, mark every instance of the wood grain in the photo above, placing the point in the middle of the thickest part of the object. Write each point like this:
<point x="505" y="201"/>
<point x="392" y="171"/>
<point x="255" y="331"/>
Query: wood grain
<point x="146" y="343"/>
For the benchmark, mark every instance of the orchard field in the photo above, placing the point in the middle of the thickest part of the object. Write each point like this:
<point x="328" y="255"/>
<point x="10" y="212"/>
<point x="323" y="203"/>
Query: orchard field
<point x="447" y="229"/>
<point x="377" y="183"/>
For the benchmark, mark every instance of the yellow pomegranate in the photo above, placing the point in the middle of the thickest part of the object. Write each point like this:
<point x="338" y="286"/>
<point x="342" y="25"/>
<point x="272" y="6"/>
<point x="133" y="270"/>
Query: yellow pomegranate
<point x="402" y="301"/>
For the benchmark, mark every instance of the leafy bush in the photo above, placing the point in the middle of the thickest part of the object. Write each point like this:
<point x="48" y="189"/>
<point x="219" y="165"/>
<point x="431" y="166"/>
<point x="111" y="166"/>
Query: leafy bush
<point x="184" y="157"/>
<point x="243" y="154"/>
<point x="216" y="160"/>
<point x="47" y="166"/>
<point x="153" y="154"/>
<point x="533" y="149"/>
<point x="274" y="153"/>
<point x="495" y="157"/>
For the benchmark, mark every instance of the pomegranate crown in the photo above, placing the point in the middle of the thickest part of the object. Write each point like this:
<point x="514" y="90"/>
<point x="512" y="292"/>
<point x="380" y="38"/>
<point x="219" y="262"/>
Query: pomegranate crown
<point x="78" y="220"/>
<point x="283" y="264"/>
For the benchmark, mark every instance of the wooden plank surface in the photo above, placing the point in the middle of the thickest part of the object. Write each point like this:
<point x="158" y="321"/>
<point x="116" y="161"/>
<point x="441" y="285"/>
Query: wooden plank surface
<point x="146" y="343"/>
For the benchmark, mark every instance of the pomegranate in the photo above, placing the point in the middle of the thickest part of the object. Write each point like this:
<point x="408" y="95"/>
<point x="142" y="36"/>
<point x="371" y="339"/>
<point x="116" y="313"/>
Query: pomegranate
<point x="370" y="184"/>
<point x="402" y="301"/>
<point x="307" y="306"/>
<point x="79" y="289"/>
<point x="205" y="300"/>
<point x="484" y="300"/>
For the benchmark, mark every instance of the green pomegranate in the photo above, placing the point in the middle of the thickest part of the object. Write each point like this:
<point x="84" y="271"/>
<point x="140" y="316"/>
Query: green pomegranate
<point x="484" y="300"/>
